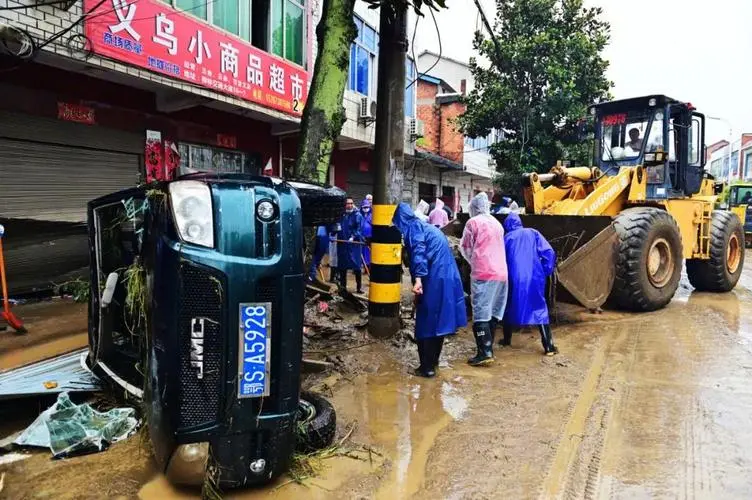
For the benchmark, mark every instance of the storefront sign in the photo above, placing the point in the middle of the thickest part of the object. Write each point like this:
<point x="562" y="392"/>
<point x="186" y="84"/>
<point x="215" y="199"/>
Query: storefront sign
<point x="75" y="113"/>
<point x="227" y="141"/>
<point x="154" y="36"/>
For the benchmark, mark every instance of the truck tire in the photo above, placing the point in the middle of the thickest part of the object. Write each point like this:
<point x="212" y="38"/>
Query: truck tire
<point x="649" y="263"/>
<point x="317" y="423"/>
<point x="721" y="272"/>
<point x="321" y="205"/>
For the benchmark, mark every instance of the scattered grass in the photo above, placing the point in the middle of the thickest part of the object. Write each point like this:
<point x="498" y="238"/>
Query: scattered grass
<point x="306" y="466"/>
<point x="79" y="289"/>
<point x="135" y="297"/>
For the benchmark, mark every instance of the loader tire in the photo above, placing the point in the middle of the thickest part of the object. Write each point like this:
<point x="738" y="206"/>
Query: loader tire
<point x="649" y="264"/>
<point x="721" y="272"/>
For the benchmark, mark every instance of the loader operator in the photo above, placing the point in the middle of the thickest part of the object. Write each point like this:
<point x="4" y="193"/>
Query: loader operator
<point x="635" y="141"/>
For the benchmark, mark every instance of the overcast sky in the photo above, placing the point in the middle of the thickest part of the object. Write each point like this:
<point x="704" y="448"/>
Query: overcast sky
<point x="703" y="61"/>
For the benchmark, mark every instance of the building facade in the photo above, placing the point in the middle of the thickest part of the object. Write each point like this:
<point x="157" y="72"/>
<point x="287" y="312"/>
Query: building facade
<point x="449" y="165"/>
<point x="118" y="92"/>
<point x="740" y="159"/>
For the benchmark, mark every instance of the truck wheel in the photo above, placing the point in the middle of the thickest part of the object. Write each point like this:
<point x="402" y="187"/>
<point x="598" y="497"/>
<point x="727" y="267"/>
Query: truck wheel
<point x="721" y="272"/>
<point x="648" y="267"/>
<point x="321" y="205"/>
<point x="317" y="422"/>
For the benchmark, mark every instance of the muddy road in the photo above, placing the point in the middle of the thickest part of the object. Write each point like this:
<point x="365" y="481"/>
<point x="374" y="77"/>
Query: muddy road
<point x="655" y="405"/>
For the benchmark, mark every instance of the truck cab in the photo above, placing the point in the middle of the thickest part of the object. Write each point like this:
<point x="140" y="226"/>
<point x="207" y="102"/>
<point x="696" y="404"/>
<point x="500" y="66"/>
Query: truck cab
<point x="740" y="202"/>
<point x="662" y="134"/>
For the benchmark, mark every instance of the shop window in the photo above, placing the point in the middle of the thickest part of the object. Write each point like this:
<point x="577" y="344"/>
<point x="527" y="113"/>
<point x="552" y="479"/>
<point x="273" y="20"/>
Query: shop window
<point x="198" y="158"/>
<point x="196" y="8"/>
<point x="288" y="29"/>
<point x="410" y="87"/>
<point x="233" y="16"/>
<point x="282" y="32"/>
<point x="363" y="59"/>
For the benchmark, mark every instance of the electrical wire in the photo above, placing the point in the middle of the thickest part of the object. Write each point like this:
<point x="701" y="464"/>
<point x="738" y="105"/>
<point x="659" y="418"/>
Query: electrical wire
<point x="32" y="6"/>
<point x="148" y="18"/>
<point x="75" y="23"/>
<point x="438" y="34"/>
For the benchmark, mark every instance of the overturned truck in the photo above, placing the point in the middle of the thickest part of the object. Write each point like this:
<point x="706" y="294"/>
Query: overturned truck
<point x="196" y="310"/>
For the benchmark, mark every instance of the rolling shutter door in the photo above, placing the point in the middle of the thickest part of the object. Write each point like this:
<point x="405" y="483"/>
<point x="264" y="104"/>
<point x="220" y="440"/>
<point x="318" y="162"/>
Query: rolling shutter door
<point x="49" y="171"/>
<point x="359" y="184"/>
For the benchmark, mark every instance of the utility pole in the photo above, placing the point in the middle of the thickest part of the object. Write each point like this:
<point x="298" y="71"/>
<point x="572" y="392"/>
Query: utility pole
<point x="388" y="160"/>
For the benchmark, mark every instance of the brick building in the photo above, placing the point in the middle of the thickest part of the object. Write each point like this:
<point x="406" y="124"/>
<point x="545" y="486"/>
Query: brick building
<point x="448" y="165"/>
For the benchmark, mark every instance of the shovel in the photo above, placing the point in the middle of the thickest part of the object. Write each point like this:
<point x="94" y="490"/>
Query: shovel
<point x="7" y="315"/>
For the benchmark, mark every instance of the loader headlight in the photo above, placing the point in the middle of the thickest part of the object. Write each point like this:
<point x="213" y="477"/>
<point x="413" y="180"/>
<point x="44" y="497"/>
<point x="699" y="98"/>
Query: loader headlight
<point x="265" y="210"/>
<point x="192" y="208"/>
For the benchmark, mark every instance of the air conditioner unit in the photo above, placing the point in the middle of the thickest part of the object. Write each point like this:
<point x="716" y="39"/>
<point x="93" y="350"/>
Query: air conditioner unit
<point x="367" y="111"/>
<point x="415" y="128"/>
<point x="419" y="128"/>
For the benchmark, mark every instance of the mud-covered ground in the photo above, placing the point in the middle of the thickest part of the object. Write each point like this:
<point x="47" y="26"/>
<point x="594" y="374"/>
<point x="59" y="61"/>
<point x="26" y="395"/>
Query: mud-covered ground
<point x="653" y="405"/>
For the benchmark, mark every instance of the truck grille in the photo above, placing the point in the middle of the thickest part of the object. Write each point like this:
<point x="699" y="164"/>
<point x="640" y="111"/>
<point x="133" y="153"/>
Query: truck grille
<point x="200" y="301"/>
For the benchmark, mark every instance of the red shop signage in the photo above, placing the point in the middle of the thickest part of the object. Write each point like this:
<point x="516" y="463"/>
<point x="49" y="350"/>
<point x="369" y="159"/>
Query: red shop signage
<point x="75" y="113"/>
<point x="227" y="141"/>
<point x="154" y="36"/>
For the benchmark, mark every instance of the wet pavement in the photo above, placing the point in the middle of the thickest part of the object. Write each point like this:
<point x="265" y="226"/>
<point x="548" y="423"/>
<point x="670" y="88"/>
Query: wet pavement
<point x="654" y="405"/>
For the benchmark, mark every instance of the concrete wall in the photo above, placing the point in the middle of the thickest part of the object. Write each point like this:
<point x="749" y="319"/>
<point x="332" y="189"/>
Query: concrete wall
<point x="452" y="72"/>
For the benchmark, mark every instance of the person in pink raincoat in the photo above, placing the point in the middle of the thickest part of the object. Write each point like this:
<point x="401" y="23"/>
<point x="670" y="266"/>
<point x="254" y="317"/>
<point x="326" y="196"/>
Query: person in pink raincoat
<point x="482" y="245"/>
<point x="438" y="216"/>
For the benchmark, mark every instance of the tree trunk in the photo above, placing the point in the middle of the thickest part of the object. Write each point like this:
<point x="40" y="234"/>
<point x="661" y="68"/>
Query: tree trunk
<point x="324" y="116"/>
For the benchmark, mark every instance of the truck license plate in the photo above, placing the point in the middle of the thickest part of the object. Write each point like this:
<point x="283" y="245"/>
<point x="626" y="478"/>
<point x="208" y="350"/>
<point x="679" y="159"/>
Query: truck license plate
<point x="254" y="349"/>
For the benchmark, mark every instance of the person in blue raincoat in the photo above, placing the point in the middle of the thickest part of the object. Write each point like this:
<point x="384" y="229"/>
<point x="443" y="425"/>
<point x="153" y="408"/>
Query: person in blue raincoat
<point x="530" y="260"/>
<point x="349" y="254"/>
<point x="440" y="299"/>
<point x="366" y="230"/>
<point x="320" y="248"/>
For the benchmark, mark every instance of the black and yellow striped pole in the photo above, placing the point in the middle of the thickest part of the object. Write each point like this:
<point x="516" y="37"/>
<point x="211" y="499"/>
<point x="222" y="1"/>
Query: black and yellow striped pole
<point x="386" y="274"/>
<point x="388" y="162"/>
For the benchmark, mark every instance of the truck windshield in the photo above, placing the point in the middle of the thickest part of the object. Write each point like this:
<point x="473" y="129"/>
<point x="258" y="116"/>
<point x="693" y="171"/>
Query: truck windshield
<point x="623" y="135"/>
<point x="740" y="196"/>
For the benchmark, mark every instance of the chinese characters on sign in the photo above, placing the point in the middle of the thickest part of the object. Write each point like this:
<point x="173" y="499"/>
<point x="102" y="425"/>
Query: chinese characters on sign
<point x="154" y="36"/>
<point x="75" y="113"/>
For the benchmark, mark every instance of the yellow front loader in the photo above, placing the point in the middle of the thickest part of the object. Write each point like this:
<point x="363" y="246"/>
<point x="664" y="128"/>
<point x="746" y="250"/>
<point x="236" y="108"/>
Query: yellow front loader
<point x="623" y="228"/>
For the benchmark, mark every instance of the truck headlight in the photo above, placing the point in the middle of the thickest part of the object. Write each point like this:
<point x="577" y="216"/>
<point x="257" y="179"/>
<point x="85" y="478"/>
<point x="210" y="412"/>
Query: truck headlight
<point x="265" y="210"/>
<point x="192" y="209"/>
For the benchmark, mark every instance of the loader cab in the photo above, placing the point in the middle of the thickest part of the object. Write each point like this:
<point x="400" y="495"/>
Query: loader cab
<point x="662" y="134"/>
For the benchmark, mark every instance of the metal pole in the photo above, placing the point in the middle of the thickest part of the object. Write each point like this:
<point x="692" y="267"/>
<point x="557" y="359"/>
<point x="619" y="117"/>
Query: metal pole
<point x="388" y="161"/>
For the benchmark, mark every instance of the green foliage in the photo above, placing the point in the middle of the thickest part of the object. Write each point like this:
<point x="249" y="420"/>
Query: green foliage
<point x="135" y="298"/>
<point x="548" y="68"/>
<point x="78" y="289"/>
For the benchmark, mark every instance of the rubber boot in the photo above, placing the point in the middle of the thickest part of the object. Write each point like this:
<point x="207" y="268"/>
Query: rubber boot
<point x="506" y="340"/>
<point x="437" y="347"/>
<point x="343" y="278"/>
<point x="484" y="356"/>
<point x="426" y="359"/>
<point x="493" y="324"/>
<point x="358" y="282"/>
<point x="332" y="274"/>
<point x="547" y="340"/>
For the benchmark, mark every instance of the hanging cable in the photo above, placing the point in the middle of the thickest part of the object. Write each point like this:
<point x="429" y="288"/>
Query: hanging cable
<point x="438" y="34"/>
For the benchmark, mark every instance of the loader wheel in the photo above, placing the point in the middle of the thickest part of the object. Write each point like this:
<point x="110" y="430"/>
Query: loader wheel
<point x="648" y="267"/>
<point x="721" y="272"/>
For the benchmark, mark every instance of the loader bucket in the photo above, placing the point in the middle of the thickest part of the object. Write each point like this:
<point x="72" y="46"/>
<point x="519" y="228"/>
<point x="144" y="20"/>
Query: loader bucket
<point x="586" y="249"/>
